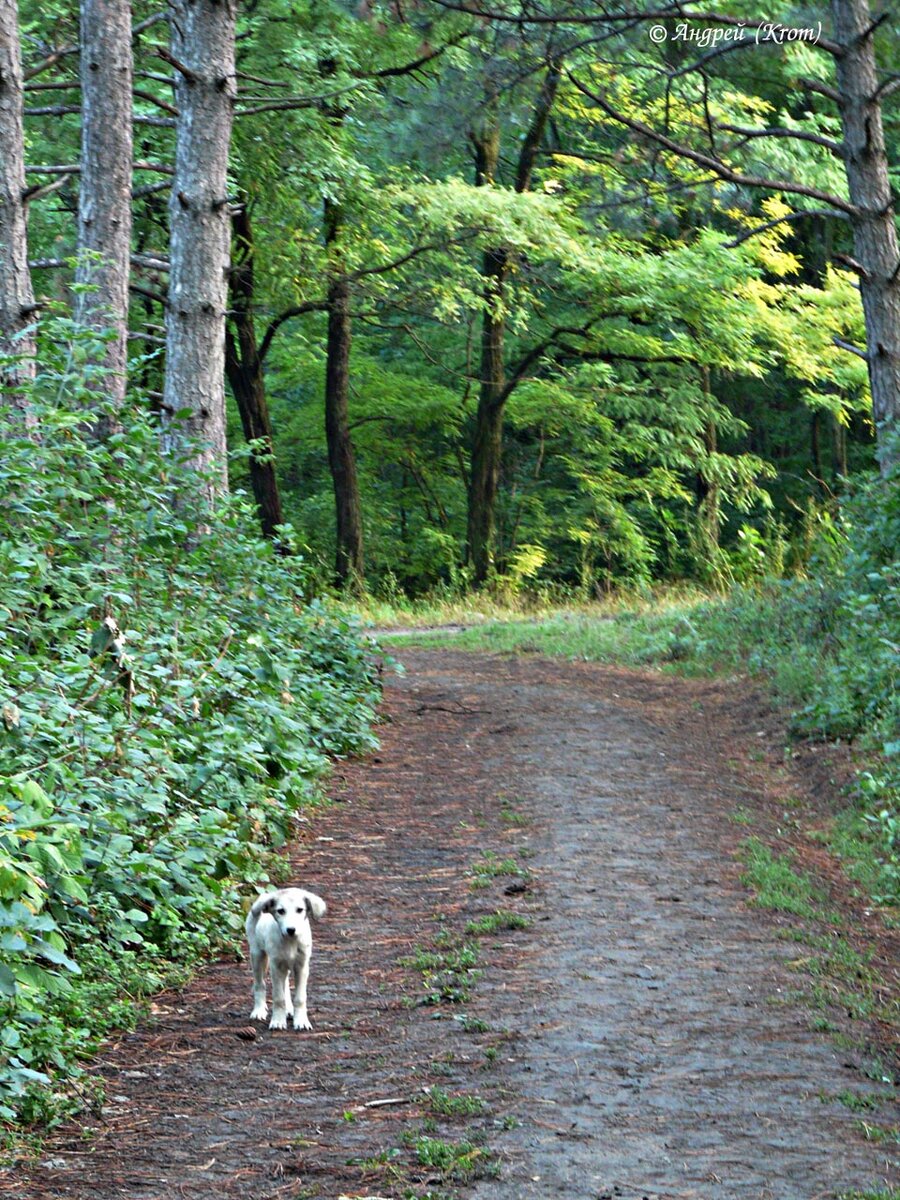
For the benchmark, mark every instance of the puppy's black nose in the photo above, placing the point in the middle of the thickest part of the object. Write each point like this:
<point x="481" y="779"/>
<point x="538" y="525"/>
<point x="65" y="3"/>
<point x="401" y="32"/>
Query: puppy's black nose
<point x="291" y="932"/>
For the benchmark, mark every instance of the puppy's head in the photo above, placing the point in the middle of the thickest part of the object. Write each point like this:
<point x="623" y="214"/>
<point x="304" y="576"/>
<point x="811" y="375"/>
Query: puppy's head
<point x="292" y="908"/>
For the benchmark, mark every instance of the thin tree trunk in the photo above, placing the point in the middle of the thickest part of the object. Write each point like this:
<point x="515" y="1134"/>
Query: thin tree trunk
<point x="245" y="374"/>
<point x="17" y="306"/>
<point x="202" y="41"/>
<point x="815" y="448"/>
<point x="349" y="560"/>
<point x="874" y="228"/>
<point x="705" y="485"/>
<point x="104" y="197"/>
<point x="839" y="447"/>
<point x="487" y="438"/>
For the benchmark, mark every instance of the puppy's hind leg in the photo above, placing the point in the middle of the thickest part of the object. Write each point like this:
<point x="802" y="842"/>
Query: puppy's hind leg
<point x="259" y="961"/>
<point x="301" y="976"/>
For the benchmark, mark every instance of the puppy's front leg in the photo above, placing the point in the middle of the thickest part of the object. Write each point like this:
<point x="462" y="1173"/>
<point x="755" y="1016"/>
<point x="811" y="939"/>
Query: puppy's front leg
<point x="281" y="997"/>
<point x="301" y="976"/>
<point x="259" y="960"/>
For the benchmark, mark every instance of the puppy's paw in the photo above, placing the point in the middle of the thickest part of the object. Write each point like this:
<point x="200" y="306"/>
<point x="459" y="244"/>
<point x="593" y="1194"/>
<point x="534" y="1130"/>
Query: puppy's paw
<point x="259" y="1013"/>
<point x="279" y="1020"/>
<point x="301" y="1021"/>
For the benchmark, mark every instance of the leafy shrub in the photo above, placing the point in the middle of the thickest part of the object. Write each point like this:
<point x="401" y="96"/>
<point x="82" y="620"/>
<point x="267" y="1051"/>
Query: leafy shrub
<point x="168" y="697"/>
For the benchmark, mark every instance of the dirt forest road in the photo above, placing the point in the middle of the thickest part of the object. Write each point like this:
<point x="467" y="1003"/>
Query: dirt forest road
<point x="642" y="1036"/>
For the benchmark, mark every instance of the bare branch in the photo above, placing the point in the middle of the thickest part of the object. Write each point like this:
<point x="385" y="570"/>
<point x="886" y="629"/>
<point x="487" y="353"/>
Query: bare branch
<point x="151" y="99"/>
<point x="298" y="310"/>
<point x="149" y="293"/>
<point x="75" y="168"/>
<point x="153" y="262"/>
<point x="150" y="189"/>
<point x="38" y="191"/>
<point x="890" y="85"/>
<point x="383" y="268"/>
<point x="793" y="216"/>
<point x="852" y="265"/>
<point x="849" y="346"/>
<point x="714" y="164"/>
<point x="821" y="89"/>
<point x="800" y="135"/>
<point x="275" y="83"/>
<point x="293" y="102"/>
<point x="52" y="110"/>
<point x="166" y="55"/>
<point x="50" y="61"/>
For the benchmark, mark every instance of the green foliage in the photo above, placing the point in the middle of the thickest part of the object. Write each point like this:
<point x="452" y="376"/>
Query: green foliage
<point x="168" y="698"/>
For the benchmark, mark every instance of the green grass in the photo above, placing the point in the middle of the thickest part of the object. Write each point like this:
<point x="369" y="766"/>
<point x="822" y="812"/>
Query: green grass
<point x="482" y="608"/>
<point x="857" y="1102"/>
<point x="490" y="866"/>
<point x="447" y="974"/>
<point x="497" y="922"/>
<point x="776" y="884"/>
<point x="462" y="1105"/>
<point x="628" y="638"/>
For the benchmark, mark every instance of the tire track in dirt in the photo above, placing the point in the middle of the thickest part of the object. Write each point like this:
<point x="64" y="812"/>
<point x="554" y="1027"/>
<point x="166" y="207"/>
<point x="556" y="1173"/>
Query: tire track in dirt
<point x="632" y="1032"/>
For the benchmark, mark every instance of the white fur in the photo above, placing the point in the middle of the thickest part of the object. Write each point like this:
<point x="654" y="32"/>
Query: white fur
<point x="279" y="936"/>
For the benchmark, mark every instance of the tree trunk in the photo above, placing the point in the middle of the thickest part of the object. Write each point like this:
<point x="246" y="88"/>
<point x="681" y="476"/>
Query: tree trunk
<point x="874" y="228"/>
<point x="349" y="562"/>
<point x="815" y="449"/>
<point x="202" y="41"/>
<point x="104" y="197"/>
<point x="706" y="488"/>
<point x="245" y="374"/>
<point x="487" y="439"/>
<point x="17" y="307"/>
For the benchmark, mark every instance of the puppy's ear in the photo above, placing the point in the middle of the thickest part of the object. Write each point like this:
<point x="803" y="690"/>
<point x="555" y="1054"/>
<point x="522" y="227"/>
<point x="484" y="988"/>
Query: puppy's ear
<point x="264" y="904"/>
<point x="315" y="905"/>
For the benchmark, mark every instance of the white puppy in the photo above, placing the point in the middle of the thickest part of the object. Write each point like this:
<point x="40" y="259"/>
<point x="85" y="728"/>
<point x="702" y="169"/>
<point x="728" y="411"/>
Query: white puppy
<point x="279" y="936"/>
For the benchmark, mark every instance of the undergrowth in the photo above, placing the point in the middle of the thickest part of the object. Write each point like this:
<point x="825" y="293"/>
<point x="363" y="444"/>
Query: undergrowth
<point x="169" y="695"/>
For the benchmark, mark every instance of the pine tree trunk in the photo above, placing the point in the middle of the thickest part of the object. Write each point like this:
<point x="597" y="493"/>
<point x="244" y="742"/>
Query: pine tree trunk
<point x="245" y="374"/>
<point x="17" y="307"/>
<point x="104" y="197"/>
<point x="349" y="560"/>
<point x="874" y="228"/>
<point x="202" y="44"/>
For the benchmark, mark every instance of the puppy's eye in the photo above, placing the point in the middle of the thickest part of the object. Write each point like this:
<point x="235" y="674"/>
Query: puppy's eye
<point x="281" y="912"/>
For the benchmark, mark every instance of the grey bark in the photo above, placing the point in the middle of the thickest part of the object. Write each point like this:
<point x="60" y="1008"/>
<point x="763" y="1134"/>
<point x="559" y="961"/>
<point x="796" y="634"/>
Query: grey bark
<point x="104" y="198"/>
<point x="202" y="41"/>
<point x="874" y="225"/>
<point x="17" y="307"/>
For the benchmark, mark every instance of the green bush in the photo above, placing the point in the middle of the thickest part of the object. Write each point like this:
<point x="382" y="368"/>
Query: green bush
<point x="168" y="697"/>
